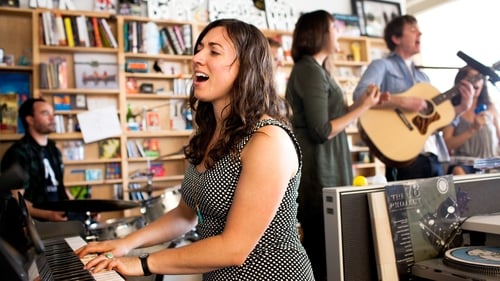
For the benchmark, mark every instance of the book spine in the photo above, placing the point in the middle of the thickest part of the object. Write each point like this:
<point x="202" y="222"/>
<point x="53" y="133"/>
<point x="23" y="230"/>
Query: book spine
<point x="90" y="32"/>
<point x="46" y="29"/>
<point x="69" y="32"/>
<point x="74" y="27"/>
<point x="104" y="37"/>
<point x="173" y="40"/>
<point x="125" y="37"/>
<point x="166" y="46"/>
<point x="97" y="34"/>
<point x="53" y="28"/>
<point x="109" y="34"/>
<point x="188" y="38"/>
<point x="83" y="34"/>
<point x="139" y="38"/>
<point x="135" y="48"/>
<point x="180" y="38"/>
<point x="61" y="33"/>
<point x="44" y="77"/>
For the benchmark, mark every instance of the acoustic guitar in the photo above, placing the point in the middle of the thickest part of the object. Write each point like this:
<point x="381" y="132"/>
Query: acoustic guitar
<point x="395" y="136"/>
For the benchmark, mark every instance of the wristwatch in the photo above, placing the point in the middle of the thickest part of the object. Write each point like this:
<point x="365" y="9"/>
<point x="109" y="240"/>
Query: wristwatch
<point x="144" y="263"/>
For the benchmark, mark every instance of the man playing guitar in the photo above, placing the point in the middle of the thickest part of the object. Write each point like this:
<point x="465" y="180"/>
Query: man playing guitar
<point x="397" y="73"/>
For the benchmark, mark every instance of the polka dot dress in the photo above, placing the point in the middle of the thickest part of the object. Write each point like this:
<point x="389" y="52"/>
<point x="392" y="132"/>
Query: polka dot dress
<point x="278" y="254"/>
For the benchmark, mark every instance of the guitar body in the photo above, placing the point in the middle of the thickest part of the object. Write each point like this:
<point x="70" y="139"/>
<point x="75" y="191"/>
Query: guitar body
<point x="397" y="137"/>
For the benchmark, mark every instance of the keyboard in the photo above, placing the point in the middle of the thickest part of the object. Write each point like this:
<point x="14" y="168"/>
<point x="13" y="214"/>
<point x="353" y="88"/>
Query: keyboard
<point x="59" y="262"/>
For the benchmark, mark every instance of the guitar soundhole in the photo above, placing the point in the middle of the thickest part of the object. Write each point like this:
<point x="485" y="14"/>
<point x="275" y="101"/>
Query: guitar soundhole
<point x="428" y="110"/>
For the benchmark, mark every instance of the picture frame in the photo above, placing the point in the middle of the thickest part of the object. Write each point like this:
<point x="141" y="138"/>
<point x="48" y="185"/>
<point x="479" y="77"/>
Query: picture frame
<point x="153" y="120"/>
<point x="96" y="71"/>
<point x="374" y="15"/>
<point x="347" y="25"/>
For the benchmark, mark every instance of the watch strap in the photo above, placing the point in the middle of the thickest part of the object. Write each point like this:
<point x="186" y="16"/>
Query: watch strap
<point x="144" y="264"/>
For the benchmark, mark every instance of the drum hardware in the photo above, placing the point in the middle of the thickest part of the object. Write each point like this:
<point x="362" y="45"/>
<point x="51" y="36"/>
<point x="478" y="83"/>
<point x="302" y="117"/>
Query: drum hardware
<point x="155" y="207"/>
<point x="191" y="236"/>
<point x="87" y="207"/>
<point x="114" y="228"/>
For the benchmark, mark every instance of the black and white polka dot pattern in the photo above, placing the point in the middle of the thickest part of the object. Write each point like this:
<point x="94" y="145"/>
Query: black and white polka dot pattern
<point x="279" y="254"/>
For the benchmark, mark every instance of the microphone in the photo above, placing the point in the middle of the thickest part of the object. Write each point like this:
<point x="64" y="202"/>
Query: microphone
<point x="13" y="178"/>
<point x="483" y="69"/>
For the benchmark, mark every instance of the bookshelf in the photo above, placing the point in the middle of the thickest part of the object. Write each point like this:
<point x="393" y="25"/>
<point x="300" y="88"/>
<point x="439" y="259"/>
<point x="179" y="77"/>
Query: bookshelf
<point x="348" y="64"/>
<point x="142" y="87"/>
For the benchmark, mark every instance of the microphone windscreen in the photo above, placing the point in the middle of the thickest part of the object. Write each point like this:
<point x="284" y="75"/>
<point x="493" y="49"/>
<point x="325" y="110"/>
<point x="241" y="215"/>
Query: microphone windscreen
<point x="13" y="178"/>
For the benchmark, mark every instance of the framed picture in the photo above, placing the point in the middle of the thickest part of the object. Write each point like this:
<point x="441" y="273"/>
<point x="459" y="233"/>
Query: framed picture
<point x="153" y="120"/>
<point x="347" y="25"/>
<point x="374" y="15"/>
<point x="96" y="71"/>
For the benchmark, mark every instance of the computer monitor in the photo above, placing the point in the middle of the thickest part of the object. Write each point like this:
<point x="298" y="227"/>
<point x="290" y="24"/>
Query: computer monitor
<point x="349" y="243"/>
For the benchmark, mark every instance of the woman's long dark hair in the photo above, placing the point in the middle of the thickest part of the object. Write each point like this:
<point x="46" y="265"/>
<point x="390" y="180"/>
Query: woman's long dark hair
<point x="311" y="33"/>
<point x="253" y="94"/>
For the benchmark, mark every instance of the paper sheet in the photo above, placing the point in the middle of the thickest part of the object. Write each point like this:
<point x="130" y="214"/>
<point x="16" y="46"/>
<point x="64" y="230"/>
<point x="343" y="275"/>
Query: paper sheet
<point x="98" y="124"/>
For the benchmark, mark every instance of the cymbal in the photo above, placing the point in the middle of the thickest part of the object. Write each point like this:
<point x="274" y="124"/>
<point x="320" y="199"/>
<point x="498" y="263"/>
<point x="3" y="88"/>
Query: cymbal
<point x="87" y="205"/>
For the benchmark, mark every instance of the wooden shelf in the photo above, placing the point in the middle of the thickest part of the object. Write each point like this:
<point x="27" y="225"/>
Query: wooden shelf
<point x="164" y="133"/>
<point x="154" y="96"/>
<point x="4" y="136"/>
<point x="77" y="91"/>
<point x="63" y="49"/>
<point x="17" y="68"/>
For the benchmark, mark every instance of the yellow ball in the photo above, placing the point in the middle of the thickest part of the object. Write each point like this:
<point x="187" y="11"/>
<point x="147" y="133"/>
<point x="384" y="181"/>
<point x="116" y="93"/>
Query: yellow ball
<point x="359" y="181"/>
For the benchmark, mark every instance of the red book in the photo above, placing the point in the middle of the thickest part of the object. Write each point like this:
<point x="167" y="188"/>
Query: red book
<point x="97" y="34"/>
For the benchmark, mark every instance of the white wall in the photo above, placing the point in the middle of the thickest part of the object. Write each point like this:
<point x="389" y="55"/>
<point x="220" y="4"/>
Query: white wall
<point x="470" y="26"/>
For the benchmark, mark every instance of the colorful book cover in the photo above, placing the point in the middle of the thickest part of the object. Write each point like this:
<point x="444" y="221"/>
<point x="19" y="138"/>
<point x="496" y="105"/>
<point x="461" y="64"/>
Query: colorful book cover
<point x="151" y="148"/>
<point x="62" y="102"/>
<point x="15" y="88"/>
<point x="109" y="148"/>
<point x="424" y="218"/>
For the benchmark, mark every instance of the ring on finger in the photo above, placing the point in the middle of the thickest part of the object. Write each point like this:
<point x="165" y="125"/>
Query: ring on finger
<point x="109" y="255"/>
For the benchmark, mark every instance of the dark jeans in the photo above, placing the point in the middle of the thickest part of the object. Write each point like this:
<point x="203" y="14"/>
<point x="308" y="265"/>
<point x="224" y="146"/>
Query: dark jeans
<point x="425" y="166"/>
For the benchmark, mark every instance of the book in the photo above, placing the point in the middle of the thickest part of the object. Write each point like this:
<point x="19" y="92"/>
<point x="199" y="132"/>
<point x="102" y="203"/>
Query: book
<point x="90" y="32"/>
<point x="113" y="171"/>
<point x="61" y="33"/>
<point x="165" y="44"/>
<point x="8" y="112"/>
<point x="424" y="218"/>
<point x="97" y="33"/>
<point x="74" y="28"/>
<point x="109" y="148"/>
<point x="83" y="34"/>
<point x="173" y="40"/>
<point x="151" y="148"/>
<point x="69" y="31"/>
<point x="108" y="33"/>
<point x="93" y="174"/>
<point x="180" y="38"/>
<point x="62" y="101"/>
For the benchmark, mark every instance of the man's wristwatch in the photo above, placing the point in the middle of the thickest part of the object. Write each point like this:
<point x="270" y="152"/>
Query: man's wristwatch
<point x="144" y="263"/>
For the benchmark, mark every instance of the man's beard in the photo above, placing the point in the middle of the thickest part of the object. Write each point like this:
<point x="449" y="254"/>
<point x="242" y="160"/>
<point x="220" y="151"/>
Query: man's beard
<point x="45" y="130"/>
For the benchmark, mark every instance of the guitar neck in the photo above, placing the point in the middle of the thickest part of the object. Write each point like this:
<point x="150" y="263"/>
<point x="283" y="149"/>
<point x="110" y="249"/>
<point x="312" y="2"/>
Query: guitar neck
<point x="454" y="91"/>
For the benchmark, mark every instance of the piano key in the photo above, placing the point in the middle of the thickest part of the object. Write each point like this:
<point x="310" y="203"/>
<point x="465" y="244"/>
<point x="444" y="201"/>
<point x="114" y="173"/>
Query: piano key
<point x="59" y="262"/>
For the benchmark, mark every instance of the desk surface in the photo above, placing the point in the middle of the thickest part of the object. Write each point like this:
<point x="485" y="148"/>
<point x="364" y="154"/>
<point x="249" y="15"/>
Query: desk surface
<point x="483" y="223"/>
